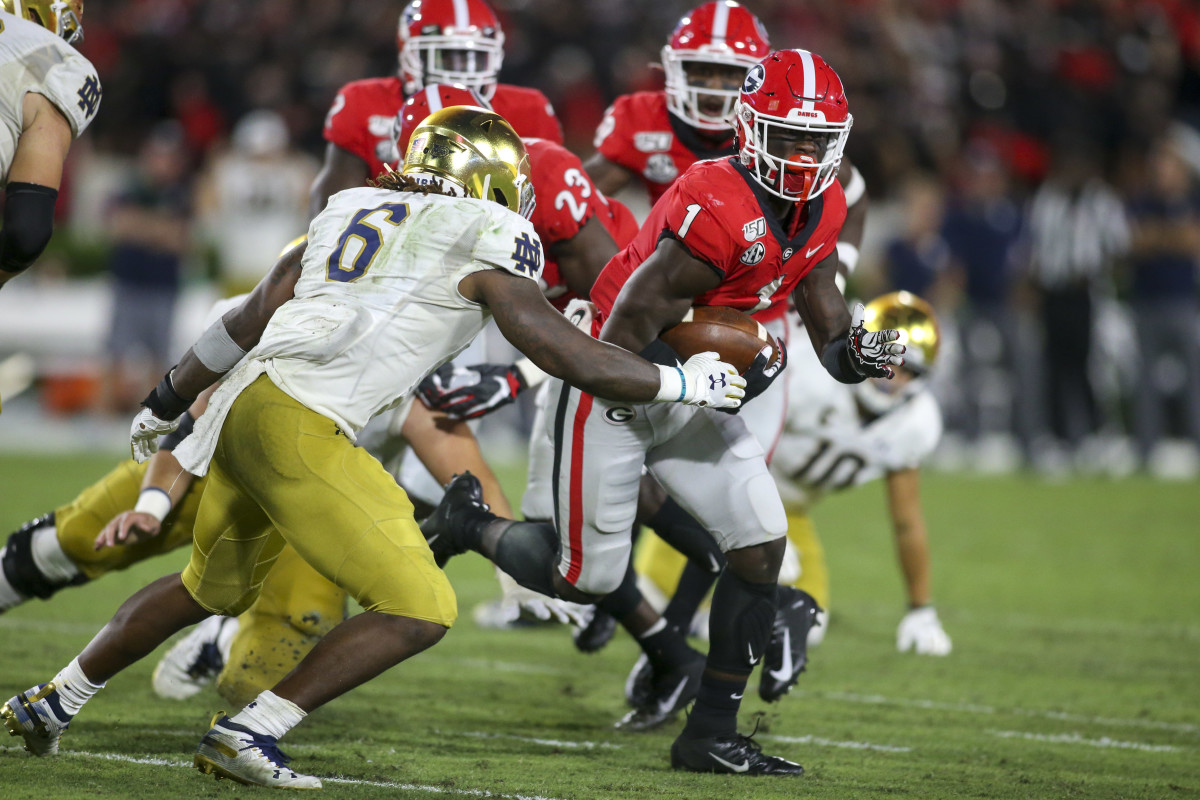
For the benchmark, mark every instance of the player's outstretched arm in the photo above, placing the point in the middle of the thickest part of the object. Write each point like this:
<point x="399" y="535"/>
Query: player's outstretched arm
<point x="535" y="328"/>
<point x="920" y="629"/>
<point x="216" y="352"/>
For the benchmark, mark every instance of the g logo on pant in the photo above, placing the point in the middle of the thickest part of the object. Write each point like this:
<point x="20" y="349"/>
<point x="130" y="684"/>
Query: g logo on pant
<point x="619" y="415"/>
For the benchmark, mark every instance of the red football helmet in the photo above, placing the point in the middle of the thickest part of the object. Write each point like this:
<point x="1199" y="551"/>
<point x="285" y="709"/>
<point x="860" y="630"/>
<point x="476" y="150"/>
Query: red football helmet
<point x="792" y="121"/>
<point x="432" y="98"/>
<point x="450" y="41"/>
<point x="721" y="33"/>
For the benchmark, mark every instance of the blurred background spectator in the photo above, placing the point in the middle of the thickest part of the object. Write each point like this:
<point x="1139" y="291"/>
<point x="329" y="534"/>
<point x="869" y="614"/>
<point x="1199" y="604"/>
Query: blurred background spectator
<point x="956" y="104"/>
<point x="149" y="225"/>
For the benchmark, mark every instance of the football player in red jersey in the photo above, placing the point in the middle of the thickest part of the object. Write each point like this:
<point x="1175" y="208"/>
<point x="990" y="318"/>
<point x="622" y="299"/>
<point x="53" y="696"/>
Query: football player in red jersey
<point x="440" y="41"/>
<point x="656" y="136"/>
<point x="745" y="232"/>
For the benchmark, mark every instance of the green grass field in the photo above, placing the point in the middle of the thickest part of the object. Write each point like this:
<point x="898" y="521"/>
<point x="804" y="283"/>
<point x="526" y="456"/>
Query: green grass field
<point x="1075" y="672"/>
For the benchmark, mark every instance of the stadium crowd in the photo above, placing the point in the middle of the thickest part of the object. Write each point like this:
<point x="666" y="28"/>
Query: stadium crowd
<point x="964" y="112"/>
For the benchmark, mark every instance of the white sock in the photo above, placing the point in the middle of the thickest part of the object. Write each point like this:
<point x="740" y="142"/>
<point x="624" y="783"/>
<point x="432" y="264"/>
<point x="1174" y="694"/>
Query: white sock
<point x="74" y="688"/>
<point x="270" y="714"/>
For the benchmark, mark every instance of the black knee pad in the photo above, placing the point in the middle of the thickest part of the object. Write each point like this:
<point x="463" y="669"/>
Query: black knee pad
<point x="528" y="552"/>
<point x="740" y="623"/>
<point x="19" y="567"/>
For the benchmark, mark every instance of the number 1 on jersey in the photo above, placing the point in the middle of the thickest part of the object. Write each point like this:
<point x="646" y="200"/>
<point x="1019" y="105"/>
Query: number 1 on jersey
<point x="370" y="238"/>
<point x="685" y="226"/>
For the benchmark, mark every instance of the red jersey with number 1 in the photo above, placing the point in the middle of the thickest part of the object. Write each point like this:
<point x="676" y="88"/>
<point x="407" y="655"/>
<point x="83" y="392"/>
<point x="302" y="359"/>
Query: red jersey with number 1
<point x="719" y="213"/>
<point x="566" y="200"/>
<point x="361" y="117"/>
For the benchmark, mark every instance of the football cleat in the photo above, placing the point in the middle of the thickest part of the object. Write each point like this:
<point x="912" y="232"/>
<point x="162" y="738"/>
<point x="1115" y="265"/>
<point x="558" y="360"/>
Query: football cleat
<point x="233" y="751"/>
<point x="461" y="505"/>
<point x="596" y="633"/>
<point x="639" y="683"/>
<point x="737" y="754"/>
<point x="787" y="651"/>
<point x="195" y="660"/>
<point x="668" y="693"/>
<point x="37" y="716"/>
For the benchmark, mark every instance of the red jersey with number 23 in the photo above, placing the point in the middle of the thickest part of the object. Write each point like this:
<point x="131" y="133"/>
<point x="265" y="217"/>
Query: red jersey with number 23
<point x="719" y="213"/>
<point x="566" y="200"/>
<point x="360" y="119"/>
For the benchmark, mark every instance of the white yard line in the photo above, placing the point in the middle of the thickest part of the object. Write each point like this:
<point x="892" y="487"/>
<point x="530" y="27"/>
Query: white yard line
<point x="972" y="708"/>
<point x="1075" y="738"/>
<point x="820" y="742"/>
<point x="534" y="740"/>
<point x="404" y="787"/>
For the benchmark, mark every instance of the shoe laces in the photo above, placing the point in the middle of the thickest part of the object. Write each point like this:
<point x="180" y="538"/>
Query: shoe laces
<point x="268" y="746"/>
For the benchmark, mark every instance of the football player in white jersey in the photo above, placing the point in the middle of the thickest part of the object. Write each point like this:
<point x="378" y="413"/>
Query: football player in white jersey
<point x="393" y="281"/>
<point x="49" y="94"/>
<point x="837" y="437"/>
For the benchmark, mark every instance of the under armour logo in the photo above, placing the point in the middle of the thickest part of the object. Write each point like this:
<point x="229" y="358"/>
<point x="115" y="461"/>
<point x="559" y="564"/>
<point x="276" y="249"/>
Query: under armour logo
<point x="527" y="255"/>
<point x="717" y="380"/>
<point x="89" y="95"/>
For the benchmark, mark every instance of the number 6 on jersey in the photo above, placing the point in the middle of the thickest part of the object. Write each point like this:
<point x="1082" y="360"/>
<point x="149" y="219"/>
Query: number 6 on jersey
<point x="360" y="242"/>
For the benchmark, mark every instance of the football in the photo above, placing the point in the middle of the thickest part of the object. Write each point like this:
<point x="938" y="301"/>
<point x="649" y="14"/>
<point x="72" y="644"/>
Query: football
<point x="736" y="336"/>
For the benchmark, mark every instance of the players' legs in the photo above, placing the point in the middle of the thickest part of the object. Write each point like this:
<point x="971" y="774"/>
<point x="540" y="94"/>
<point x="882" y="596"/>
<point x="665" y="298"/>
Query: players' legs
<point x="715" y="468"/>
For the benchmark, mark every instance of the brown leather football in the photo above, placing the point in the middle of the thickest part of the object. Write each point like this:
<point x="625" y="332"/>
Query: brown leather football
<point x="736" y="336"/>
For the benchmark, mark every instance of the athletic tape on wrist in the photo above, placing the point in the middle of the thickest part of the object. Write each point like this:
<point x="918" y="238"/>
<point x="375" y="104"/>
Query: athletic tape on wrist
<point x="856" y="187"/>
<point x="155" y="502"/>
<point x="216" y="349"/>
<point x="847" y="255"/>
<point x="672" y="387"/>
<point x="532" y="374"/>
<point x="164" y="402"/>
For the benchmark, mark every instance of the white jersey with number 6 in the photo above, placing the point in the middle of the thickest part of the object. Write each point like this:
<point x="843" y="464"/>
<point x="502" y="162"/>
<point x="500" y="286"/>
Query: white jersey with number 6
<point x="377" y="305"/>
<point x="828" y="444"/>
<point x="32" y="59"/>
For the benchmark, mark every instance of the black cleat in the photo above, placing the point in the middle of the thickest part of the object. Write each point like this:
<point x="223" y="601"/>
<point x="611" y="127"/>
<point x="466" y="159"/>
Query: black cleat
<point x="638" y="685"/>
<point x="668" y="694"/>
<point x="787" y="652"/>
<point x="462" y="506"/>
<point x="736" y="754"/>
<point x="597" y="633"/>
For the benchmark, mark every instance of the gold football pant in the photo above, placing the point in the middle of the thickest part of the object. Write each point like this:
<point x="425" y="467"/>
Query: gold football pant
<point x="284" y="474"/>
<point x="297" y="606"/>
<point x="662" y="564"/>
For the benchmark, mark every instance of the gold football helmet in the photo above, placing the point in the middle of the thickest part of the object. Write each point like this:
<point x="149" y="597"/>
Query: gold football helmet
<point x="63" y="17"/>
<point x="475" y="150"/>
<point x="914" y="318"/>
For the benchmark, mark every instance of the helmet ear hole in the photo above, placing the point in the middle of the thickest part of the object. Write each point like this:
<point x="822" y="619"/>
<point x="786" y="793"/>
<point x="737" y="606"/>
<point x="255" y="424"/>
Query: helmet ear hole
<point x="498" y="196"/>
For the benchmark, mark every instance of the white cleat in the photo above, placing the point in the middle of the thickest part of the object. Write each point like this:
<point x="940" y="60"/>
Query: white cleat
<point x="235" y="752"/>
<point x="37" y="716"/>
<point x="195" y="660"/>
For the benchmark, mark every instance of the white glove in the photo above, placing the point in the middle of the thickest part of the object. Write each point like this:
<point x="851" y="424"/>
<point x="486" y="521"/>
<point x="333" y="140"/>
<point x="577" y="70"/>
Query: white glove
<point x="521" y="602"/>
<point x="873" y="353"/>
<point x="143" y="437"/>
<point x="921" y="631"/>
<point x="704" y="380"/>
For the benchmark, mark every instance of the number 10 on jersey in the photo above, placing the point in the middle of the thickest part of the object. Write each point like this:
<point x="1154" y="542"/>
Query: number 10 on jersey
<point x="369" y="238"/>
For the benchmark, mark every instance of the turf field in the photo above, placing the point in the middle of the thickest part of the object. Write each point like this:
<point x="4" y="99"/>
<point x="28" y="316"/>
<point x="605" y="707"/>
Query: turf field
<point x="1075" y="672"/>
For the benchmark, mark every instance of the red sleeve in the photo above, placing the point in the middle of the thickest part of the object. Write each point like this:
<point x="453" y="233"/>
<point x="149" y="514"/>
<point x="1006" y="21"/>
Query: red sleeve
<point x="614" y="136"/>
<point x="565" y="194"/>
<point x="687" y="214"/>
<point x="528" y="111"/>
<point x="544" y="121"/>
<point x="345" y="124"/>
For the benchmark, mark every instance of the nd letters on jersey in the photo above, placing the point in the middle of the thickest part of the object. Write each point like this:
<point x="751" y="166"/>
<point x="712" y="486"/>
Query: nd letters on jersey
<point x="720" y="214"/>
<point x="360" y="119"/>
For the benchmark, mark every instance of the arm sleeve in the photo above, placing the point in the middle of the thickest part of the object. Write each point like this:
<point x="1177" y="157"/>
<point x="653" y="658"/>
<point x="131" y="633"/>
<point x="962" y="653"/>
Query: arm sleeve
<point x="28" y="223"/>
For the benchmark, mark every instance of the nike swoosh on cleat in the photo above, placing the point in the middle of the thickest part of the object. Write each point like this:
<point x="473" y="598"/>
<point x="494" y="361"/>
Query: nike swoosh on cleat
<point x="736" y="696"/>
<point x="744" y="766"/>
<point x="784" y="672"/>
<point x="716" y="565"/>
<point x="673" y="697"/>
<point x="753" y="658"/>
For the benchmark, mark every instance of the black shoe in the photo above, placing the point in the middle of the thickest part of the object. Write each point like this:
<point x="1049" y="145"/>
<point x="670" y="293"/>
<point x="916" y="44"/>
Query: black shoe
<point x="638" y="685"/>
<point x="787" y="652"/>
<point x="597" y="633"/>
<point x="669" y="693"/>
<point x="737" y="754"/>
<point x="461" y="505"/>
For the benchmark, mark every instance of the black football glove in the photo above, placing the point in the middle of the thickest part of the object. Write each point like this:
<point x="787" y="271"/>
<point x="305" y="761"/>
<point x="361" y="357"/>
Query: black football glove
<point x="761" y="373"/>
<point x="873" y="353"/>
<point x="470" y="392"/>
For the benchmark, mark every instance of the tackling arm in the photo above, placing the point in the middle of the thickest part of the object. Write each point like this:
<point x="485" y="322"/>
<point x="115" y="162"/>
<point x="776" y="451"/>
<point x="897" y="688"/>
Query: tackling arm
<point x="340" y="170"/>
